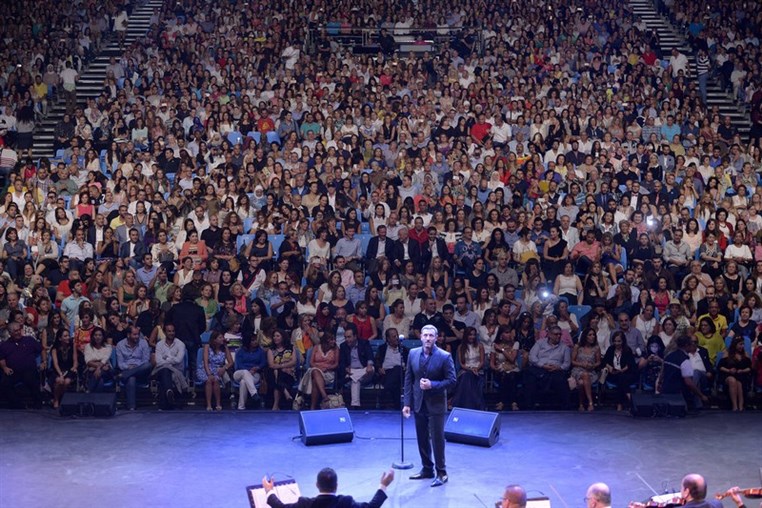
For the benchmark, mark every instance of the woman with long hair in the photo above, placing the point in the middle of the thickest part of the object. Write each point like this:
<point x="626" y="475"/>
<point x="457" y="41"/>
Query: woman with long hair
<point x="213" y="370"/>
<point x="585" y="360"/>
<point x="324" y="361"/>
<point x="281" y="360"/>
<point x="620" y="367"/>
<point x="469" y="390"/>
<point x="735" y="373"/>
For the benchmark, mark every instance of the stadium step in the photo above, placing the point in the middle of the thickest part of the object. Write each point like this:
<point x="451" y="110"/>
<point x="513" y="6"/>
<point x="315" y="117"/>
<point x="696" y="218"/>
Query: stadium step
<point x="92" y="78"/>
<point x="672" y="36"/>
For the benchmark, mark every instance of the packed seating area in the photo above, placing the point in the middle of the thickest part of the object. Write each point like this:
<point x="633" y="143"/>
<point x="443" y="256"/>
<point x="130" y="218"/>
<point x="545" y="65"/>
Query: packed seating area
<point x="251" y="208"/>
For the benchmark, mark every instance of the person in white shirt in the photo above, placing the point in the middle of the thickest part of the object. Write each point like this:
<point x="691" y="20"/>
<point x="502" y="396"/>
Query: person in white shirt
<point x="69" y="79"/>
<point x="501" y="131"/>
<point x="79" y="249"/>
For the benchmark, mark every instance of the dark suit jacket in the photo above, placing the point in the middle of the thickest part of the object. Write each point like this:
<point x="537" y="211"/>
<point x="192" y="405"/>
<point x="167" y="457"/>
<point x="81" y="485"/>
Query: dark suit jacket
<point x="372" y="251"/>
<point x="442" y="252"/>
<point x="328" y="501"/>
<point x="441" y="372"/>
<point x="365" y="352"/>
<point x="189" y="320"/>
<point x="413" y="250"/>
<point x="124" y="250"/>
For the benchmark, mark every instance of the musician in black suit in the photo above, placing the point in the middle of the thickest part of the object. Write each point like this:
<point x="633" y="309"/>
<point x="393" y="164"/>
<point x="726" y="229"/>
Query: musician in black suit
<point x="379" y="244"/>
<point x="327" y="484"/>
<point x="429" y="374"/>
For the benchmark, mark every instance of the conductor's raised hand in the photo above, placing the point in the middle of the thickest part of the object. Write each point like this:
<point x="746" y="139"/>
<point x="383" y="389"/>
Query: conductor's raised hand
<point x="406" y="411"/>
<point x="267" y="484"/>
<point x="387" y="477"/>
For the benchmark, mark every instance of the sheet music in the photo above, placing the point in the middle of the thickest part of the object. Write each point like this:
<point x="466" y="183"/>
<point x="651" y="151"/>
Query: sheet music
<point x="286" y="490"/>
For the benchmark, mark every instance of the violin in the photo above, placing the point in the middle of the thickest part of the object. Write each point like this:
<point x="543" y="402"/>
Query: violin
<point x="755" y="493"/>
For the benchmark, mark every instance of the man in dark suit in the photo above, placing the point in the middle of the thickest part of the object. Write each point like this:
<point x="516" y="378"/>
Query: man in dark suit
<point x="327" y="484"/>
<point x="379" y="245"/>
<point x="133" y="249"/>
<point x="355" y="363"/>
<point x="190" y="322"/>
<point x="429" y="374"/>
<point x="390" y="363"/>
<point x="406" y="250"/>
<point x="435" y="247"/>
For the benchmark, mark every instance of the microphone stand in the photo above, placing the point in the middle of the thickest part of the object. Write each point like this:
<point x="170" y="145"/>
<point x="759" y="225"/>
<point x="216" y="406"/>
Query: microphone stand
<point x="402" y="464"/>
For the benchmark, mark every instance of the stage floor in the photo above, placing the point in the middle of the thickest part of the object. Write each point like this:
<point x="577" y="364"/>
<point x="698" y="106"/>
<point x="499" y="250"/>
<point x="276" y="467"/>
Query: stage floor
<point x="197" y="459"/>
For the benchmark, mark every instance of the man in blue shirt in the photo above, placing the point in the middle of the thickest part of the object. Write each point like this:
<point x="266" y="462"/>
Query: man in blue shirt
<point x="133" y="357"/>
<point x="549" y="363"/>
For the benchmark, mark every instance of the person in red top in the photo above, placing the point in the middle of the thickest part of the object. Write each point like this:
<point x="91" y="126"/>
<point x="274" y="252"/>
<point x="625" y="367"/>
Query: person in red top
<point x="480" y="129"/>
<point x="584" y="254"/>
<point x="265" y="124"/>
<point x="419" y="233"/>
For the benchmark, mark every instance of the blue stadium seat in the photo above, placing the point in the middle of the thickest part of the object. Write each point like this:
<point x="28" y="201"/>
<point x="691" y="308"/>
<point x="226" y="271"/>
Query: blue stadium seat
<point x="256" y="136"/>
<point x="235" y="138"/>
<point x="276" y="241"/>
<point x="243" y="240"/>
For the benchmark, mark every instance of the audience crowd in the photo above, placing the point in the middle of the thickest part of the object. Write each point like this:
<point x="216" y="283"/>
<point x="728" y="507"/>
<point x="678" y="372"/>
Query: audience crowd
<point x="249" y="203"/>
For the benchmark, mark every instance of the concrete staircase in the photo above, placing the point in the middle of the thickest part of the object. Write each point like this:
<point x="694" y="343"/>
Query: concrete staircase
<point x="671" y="37"/>
<point x="91" y="78"/>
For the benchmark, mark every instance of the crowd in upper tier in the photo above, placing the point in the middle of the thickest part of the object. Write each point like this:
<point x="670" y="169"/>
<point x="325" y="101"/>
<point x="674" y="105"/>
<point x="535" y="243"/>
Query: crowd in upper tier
<point x="546" y="187"/>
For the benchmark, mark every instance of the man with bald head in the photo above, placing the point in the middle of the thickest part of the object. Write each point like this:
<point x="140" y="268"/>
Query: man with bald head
<point x="514" y="497"/>
<point x="694" y="493"/>
<point x="598" y="496"/>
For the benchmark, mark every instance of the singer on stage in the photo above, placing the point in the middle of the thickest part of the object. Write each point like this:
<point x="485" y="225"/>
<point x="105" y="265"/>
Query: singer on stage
<point x="430" y="373"/>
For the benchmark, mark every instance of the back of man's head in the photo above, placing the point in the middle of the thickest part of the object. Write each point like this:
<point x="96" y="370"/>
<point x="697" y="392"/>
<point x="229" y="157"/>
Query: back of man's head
<point x="601" y="492"/>
<point x="516" y="495"/>
<point x="327" y="481"/>
<point x="696" y="486"/>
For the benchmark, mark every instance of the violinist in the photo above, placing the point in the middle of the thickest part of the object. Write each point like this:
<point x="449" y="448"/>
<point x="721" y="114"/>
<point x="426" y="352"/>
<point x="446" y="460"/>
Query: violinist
<point x="694" y="493"/>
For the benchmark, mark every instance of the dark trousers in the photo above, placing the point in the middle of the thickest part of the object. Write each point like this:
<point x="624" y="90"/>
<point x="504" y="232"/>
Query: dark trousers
<point x="130" y="378"/>
<point x="622" y="386"/>
<point x="430" y="431"/>
<point x="392" y="385"/>
<point x="538" y="379"/>
<point x="191" y="349"/>
<point x="164" y="379"/>
<point x="506" y="383"/>
<point x="29" y="379"/>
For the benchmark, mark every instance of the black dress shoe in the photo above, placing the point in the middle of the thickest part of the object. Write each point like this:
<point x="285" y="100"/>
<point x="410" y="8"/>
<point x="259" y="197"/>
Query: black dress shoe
<point x="440" y="480"/>
<point x="422" y="475"/>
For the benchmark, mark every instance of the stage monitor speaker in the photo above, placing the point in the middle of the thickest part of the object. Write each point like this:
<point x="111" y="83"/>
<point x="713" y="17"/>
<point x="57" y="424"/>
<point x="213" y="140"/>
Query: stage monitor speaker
<point x="651" y="405"/>
<point x="473" y="427"/>
<point x="326" y="426"/>
<point x="88" y="404"/>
